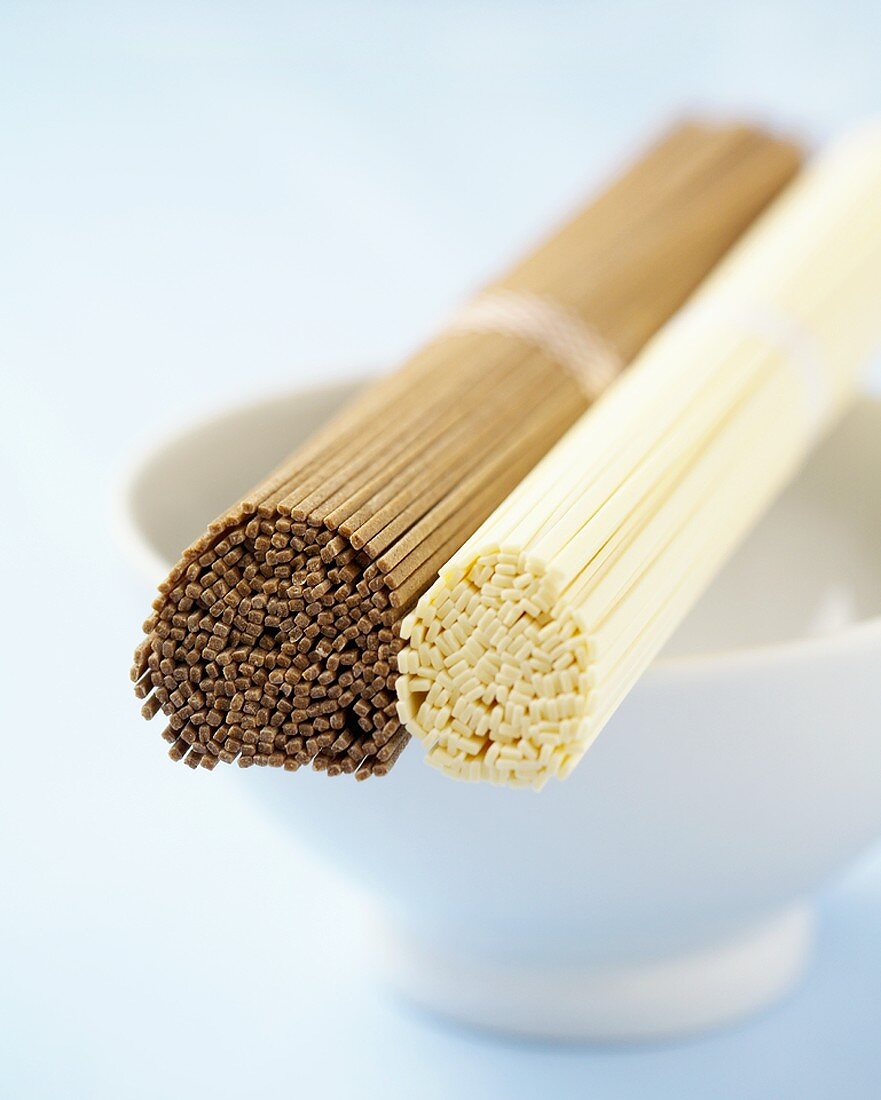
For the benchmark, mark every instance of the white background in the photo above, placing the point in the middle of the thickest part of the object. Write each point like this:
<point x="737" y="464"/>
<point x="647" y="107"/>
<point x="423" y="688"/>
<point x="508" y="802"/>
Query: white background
<point x="203" y="201"/>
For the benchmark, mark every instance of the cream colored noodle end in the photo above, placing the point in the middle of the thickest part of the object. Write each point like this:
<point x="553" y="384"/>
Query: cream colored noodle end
<point x="496" y="675"/>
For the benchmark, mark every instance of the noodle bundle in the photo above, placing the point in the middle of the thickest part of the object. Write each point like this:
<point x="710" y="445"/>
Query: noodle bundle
<point x="541" y="623"/>
<point x="274" y="640"/>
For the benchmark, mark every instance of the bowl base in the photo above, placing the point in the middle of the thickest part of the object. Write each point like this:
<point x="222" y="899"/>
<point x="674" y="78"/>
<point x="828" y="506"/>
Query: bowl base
<point x="659" y="999"/>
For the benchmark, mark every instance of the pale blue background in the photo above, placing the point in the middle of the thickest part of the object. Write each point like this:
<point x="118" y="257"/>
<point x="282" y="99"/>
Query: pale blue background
<point x="201" y="200"/>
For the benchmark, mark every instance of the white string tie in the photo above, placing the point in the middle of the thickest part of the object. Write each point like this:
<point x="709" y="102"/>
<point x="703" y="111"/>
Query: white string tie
<point x="568" y="340"/>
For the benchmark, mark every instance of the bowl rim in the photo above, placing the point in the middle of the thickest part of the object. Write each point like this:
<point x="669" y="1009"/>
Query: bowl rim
<point x="131" y="540"/>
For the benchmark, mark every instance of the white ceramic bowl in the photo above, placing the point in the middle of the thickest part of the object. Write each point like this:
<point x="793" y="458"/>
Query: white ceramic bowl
<point x="667" y="885"/>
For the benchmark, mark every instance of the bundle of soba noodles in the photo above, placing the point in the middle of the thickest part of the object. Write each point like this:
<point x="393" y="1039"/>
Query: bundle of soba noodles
<point x="274" y="640"/>
<point x="541" y="623"/>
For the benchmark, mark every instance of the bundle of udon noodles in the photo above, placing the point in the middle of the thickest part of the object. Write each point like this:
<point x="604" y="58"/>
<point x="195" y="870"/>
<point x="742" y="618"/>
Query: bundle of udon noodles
<point x="542" y="622"/>
<point x="274" y="639"/>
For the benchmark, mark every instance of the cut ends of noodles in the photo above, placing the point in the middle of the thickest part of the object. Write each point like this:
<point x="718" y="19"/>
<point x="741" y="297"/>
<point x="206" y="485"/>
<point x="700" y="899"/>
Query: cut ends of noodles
<point x="497" y="673"/>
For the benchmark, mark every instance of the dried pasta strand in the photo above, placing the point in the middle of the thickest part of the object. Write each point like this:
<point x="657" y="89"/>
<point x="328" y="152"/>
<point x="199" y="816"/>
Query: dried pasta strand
<point x="274" y="639"/>
<point x="541" y="623"/>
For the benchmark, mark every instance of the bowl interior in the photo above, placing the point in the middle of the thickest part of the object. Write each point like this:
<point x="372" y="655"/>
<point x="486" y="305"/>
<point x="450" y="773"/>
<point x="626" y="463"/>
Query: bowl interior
<point x="811" y="567"/>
